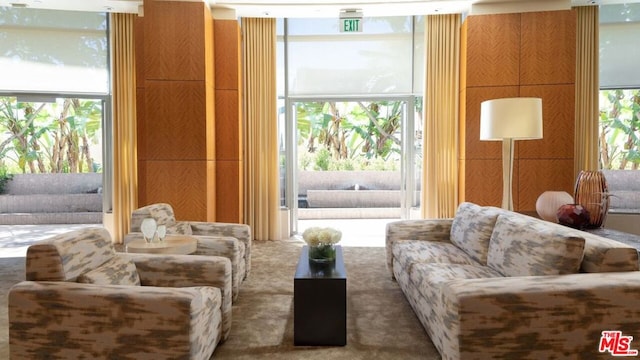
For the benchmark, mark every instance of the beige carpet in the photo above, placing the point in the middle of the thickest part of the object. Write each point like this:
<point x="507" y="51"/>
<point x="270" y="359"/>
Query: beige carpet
<point x="380" y="322"/>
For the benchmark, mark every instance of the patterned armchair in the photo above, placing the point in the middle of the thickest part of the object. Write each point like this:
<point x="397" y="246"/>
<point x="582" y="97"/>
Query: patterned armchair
<point x="232" y="241"/>
<point x="84" y="300"/>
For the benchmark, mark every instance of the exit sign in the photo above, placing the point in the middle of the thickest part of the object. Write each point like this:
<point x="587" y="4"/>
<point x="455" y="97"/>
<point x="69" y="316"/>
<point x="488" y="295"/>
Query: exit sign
<point x="351" y="25"/>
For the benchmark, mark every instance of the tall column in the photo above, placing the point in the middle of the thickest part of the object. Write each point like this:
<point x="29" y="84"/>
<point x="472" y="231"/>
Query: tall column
<point x="229" y="129"/>
<point x="176" y="127"/>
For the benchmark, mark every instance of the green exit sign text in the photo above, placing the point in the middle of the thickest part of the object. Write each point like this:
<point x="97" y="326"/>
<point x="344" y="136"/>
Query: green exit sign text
<point x="350" y="25"/>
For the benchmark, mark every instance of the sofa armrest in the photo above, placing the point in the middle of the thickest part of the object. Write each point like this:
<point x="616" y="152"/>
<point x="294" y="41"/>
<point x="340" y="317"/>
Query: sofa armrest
<point x="68" y="320"/>
<point x="242" y="232"/>
<point x="538" y="317"/>
<point x="420" y="229"/>
<point x="187" y="271"/>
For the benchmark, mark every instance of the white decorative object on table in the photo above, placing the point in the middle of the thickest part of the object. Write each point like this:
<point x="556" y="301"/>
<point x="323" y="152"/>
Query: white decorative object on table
<point x="322" y="243"/>
<point x="148" y="228"/>
<point x="161" y="231"/>
<point x="549" y="202"/>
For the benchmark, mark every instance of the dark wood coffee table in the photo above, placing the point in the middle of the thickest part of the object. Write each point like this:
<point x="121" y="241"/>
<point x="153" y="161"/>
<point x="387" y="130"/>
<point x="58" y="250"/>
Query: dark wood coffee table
<point x="320" y="302"/>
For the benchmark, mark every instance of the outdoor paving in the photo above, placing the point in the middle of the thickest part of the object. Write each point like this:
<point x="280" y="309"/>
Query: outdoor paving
<point x="14" y="239"/>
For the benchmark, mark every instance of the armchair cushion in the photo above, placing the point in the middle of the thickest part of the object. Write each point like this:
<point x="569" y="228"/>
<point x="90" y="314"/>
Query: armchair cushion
<point x="163" y="214"/>
<point x="64" y="257"/>
<point x="117" y="271"/>
<point x="181" y="228"/>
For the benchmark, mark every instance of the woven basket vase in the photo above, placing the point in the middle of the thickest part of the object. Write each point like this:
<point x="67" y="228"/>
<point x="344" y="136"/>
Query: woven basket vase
<point x="592" y="193"/>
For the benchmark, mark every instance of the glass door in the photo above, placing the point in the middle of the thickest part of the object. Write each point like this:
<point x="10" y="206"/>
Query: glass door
<point x="350" y="159"/>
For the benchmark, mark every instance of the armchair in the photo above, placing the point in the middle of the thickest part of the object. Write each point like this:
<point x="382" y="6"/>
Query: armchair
<point x="81" y="299"/>
<point x="232" y="241"/>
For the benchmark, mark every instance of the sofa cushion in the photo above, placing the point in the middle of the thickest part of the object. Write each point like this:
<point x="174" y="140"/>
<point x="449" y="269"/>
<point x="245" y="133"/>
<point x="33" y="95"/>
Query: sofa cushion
<point x="602" y="254"/>
<point x="431" y="276"/>
<point x="471" y="229"/>
<point x="120" y="270"/>
<point x="521" y="246"/>
<point x="407" y="252"/>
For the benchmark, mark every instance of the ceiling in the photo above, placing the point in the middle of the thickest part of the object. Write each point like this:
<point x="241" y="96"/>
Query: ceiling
<point x="323" y="8"/>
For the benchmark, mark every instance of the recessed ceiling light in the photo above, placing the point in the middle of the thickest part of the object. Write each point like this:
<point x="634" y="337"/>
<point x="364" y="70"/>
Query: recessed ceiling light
<point x="18" y="5"/>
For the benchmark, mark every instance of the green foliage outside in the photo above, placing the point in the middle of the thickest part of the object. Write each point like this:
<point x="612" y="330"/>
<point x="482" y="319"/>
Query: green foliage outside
<point x="620" y="129"/>
<point x="349" y="135"/>
<point x="61" y="137"/>
<point x="4" y="178"/>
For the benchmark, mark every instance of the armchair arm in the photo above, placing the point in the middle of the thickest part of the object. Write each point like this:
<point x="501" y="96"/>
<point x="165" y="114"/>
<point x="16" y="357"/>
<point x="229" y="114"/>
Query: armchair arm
<point x="67" y="320"/>
<point x="242" y="232"/>
<point x="537" y="317"/>
<point x="420" y="229"/>
<point x="186" y="271"/>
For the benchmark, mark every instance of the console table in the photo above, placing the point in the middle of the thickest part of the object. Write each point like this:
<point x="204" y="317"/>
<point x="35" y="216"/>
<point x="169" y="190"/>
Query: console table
<point x="320" y="302"/>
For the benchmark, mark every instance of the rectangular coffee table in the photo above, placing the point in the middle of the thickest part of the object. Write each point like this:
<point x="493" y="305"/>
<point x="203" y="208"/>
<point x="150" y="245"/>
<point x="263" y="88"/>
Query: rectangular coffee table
<point x="320" y="302"/>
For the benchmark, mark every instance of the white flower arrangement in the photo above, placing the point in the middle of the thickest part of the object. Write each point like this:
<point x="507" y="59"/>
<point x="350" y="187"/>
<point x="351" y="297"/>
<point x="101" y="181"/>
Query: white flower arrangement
<point x="315" y="236"/>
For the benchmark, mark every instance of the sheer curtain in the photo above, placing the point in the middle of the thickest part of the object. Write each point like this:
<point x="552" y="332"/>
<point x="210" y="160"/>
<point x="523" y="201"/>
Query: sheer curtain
<point x="123" y="78"/>
<point x="261" y="139"/>
<point x="440" y="139"/>
<point x="587" y="88"/>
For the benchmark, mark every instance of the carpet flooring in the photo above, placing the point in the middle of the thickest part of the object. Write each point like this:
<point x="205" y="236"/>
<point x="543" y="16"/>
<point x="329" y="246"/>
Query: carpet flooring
<point x="380" y="322"/>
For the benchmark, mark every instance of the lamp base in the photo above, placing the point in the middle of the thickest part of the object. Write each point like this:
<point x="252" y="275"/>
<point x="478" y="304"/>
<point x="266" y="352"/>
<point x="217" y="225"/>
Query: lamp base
<point x="507" y="173"/>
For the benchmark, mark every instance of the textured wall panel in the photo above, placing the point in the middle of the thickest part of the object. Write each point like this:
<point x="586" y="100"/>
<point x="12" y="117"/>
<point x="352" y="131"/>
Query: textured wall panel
<point x="230" y="202"/>
<point x="183" y="184"/>
<point x="175" y="125"/>
<point x="558" y="123"/>
<point x="483" y="182"/>
<point x="227" y="54"/>
<point x="547" y="56"/>
<point x="476" y="149"/>
<point x="228" y="125"/>
<point x="539" y="175"/>
<point x="174" y="40"/>
<point x="141" y="139"/>
<point x="493" y="50"/>
<point x="548" y="47"/>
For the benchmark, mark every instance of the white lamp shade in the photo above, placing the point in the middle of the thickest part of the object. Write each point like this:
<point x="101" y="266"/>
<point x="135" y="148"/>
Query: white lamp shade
<point x="511" y="118"/>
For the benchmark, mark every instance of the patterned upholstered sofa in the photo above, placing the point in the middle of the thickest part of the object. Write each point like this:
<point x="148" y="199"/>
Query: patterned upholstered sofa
<point x="232" y="241"/>
<point x="83" y="300"/>
<point x="494" y="284"/>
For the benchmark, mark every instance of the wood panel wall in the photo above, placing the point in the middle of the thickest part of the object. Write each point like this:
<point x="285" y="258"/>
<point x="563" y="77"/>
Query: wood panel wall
<point x="175" y="101"/>
<point x="229" y="130"/>
<point x="518" y="55"/>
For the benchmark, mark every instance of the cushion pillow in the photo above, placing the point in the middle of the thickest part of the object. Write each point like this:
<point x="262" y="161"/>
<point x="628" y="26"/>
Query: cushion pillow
<point x="523" y="246"/>
<point x="182" y="228"/>
<point x="120" y="270"/>
<point x="471" y="229"/>
<point x="163" y="214"/>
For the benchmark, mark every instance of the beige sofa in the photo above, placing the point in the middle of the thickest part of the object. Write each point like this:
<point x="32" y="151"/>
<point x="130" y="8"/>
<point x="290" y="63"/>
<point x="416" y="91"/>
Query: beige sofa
<point x="494" y="284"/>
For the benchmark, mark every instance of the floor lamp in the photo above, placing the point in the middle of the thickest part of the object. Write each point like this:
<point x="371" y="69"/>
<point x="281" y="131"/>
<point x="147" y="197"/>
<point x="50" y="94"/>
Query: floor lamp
<point x="507" y="120"/>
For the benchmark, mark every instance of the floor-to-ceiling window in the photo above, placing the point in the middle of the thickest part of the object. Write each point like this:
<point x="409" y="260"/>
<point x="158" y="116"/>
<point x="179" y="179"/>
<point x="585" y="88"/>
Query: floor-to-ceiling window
<point x="54" y="91"/>
<point x="350" y="117"/>
<point x="619" y="123"/>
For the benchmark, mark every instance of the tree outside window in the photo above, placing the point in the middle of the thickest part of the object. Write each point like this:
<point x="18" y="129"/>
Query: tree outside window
<point x="619" y="129"/>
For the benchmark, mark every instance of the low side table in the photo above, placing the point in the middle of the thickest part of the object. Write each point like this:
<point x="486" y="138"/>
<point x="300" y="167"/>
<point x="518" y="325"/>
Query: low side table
<point x="320" y="302"/>
<point x="172" y="244"/>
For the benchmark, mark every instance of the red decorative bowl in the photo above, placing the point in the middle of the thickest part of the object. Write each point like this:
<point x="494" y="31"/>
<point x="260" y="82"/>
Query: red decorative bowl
<point x="573" y="215"/>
